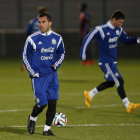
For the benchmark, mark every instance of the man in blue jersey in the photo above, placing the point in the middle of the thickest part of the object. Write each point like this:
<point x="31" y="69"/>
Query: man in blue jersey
<point x="108" y="36"/>
<point x="42" y="55"/>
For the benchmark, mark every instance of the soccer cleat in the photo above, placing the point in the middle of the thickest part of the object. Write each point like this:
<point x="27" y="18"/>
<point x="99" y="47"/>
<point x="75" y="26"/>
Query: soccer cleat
<point x="87" y="98"/>
<point x="31" y="126"/>
<point x="48" y="133"/>
<point x="132" y="107"/>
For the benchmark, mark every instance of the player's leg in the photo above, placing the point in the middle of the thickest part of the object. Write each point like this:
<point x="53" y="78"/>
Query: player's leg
<point x="33" y="117"/>
<point x="52" y="97"/>
<point x="41" y="102"/>
<point x="113" y="73"/>
<point x="107" y="84"/>
<point x="50" y="113"/>
<point x="37" y="109"/>
<point x="121" y="91"/>
<point x="90" y="94"/>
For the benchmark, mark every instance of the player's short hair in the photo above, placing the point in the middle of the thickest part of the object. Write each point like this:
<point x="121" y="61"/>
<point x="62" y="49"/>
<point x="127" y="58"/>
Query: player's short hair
<point x="117" y="15"/>
<point x="46" y="15"/>
<point x="83" y="7"/>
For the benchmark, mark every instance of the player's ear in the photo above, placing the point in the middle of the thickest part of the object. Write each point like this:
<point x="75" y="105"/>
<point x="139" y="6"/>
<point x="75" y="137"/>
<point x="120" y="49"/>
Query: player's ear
<point x="50" y="23"/>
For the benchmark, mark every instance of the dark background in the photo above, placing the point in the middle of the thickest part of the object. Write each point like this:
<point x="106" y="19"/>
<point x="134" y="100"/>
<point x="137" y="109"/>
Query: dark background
<point x="15" y="16"/>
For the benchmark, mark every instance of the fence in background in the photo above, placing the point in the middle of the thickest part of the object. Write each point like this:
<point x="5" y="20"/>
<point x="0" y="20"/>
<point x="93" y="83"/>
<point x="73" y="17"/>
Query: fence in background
<point x="65" y="13"/>
<point x="12" y="42"/>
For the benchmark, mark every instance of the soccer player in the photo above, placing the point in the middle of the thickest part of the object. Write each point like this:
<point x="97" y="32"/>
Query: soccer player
<point x="42" y="55"/>
<point x="108" y="36"/>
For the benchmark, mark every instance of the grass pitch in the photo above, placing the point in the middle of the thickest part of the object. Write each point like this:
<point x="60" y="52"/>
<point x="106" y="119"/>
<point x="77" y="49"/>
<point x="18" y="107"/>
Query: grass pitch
<point x="107" y="118"/>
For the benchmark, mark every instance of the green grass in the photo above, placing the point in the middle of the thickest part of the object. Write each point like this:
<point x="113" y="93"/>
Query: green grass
<point x="111" y="122"/>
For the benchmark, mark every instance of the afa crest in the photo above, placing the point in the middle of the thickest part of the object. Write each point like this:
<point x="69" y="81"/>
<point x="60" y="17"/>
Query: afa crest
<point x="117" y="32"/>
<point x="53" y="41"/>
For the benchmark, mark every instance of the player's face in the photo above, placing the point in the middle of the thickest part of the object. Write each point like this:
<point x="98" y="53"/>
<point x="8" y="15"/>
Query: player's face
<point x="117" y="23"/>
<point x="44" y="24"/>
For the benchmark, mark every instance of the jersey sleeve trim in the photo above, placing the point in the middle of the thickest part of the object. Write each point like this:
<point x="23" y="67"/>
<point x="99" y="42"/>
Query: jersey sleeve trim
<point x="25" y="59"/>
<point x="101" y="32"/>
<point x="59" y="42"/>
<point x="87" y="42"/>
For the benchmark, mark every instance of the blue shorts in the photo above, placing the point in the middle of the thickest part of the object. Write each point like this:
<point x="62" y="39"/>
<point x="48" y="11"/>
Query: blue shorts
<point x="45" y="88"/>
<point x="111" y="72"/>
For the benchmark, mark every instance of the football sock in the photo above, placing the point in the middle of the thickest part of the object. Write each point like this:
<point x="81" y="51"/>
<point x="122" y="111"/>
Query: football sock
<point x="46" y="127"/>
<point x="104" y="85"/>
<point x="93" y="93"/>
<point x="120" y="89"/>
<point x="126" y="102"/>
<point x="37" y="110"/>
<point x="33" y="118"/>
<point x="50" y="112"/>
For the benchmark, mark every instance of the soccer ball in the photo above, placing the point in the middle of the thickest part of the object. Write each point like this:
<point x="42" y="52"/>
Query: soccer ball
<point x="60" y="119"/>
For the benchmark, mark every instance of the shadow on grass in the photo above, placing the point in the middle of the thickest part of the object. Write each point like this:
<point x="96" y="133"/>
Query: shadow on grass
<point x="24" y="131"/>
<point x="13" y="130"/>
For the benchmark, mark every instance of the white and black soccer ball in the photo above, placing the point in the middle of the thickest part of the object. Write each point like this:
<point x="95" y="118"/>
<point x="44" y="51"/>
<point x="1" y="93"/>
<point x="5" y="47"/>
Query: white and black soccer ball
<point x="60" y="119"/>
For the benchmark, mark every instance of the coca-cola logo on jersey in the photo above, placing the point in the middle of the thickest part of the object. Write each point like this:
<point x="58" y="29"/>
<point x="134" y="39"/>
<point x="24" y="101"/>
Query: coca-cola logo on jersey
<point x="48" y="50"/>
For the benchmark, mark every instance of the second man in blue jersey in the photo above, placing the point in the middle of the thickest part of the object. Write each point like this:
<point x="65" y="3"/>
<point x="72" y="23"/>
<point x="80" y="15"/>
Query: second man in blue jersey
<point x="108" y="36"/>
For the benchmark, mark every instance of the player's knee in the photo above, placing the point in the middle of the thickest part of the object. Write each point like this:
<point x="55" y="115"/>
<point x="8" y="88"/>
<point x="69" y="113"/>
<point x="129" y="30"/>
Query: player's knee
<point x="41" y="107"/>
<point x="52" y="102"/>
<point x="110" y="83"/>
<point x="121" y="81"/>
<point x="37" y="109"/>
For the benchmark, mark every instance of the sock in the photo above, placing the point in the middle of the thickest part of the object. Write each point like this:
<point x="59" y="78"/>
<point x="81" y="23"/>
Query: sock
<point x="46" y="127"/>
<point x="33" y="118"/>
<point x="93" y="93"/>
<point x="126" y="102"/>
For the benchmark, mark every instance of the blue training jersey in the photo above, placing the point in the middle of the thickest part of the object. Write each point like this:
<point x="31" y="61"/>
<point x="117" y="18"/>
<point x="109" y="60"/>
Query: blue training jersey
<point x="107" y="36"/>
<point x="41" y="51"/>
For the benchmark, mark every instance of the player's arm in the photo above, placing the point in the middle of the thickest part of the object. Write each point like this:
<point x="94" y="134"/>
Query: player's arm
<point x="128" y="40"/>
<point x="60" y="54"/>
<point x="26" y="57"/>
<point x="87" y="40"/>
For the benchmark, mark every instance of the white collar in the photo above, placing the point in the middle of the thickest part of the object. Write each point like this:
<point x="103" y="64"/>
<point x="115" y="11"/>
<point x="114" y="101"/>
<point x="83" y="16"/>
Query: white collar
<point x="47" y="33"/>
<point x="110" y="25"/>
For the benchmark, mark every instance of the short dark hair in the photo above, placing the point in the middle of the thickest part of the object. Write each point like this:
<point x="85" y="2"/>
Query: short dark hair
<point x="117" y="15"/>
<point x="46" y="15"/>
<point x="83" y="7"/>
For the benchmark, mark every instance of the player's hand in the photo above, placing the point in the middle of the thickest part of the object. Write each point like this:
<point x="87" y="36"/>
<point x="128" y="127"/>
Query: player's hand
<point x="53" y="67"/>
<point x="138" y="40"/>
<point x="36" y="75"/>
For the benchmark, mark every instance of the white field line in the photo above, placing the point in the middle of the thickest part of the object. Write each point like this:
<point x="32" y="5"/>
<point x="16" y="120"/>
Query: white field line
<point x="14" y="110"/>
<point x="99" y="106"/>
<point x="15" y="95"/>
<point x="80" y="107"/>
<point x="76" y="125"/>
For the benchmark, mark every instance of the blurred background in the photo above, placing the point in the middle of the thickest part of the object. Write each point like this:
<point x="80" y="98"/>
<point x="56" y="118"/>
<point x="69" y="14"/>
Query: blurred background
<point x="15" y="16"/>
<point x="16" y="95"/>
